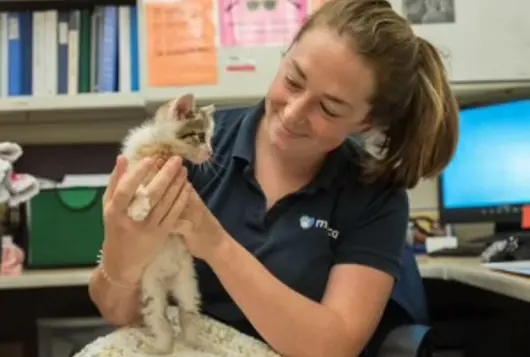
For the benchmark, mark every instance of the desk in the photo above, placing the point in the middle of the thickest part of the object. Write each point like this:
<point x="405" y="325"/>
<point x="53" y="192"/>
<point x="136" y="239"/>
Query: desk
<point x="469" y="271"/>
<point x="40" y="294"/>
<point x="464" y="270"/>
<point x="62" y="292"/>
<point x="46" y="279"/>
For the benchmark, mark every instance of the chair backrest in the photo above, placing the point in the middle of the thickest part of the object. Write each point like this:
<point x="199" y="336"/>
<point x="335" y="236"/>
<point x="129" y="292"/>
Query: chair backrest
<point x="407" y="341"/>
<point x="409" y="292"/>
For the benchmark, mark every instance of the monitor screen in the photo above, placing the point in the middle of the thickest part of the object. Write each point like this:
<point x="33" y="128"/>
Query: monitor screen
<point x="491" y="167"/>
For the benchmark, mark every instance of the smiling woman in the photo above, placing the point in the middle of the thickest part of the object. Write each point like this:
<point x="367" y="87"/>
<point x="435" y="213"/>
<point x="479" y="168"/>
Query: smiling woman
<point x="299" y="234"/>
<point x="320" y="95"/>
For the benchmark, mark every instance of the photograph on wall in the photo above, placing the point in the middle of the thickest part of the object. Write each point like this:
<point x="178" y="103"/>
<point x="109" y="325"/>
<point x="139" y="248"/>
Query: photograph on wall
<point x="429" y="11"/>
<point x="260" y="22"/>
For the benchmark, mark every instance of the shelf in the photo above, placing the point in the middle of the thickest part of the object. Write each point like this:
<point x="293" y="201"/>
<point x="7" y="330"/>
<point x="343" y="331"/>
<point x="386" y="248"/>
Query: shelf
<point x="156" y="97"/>
<point x="106" y="117"/>
<point x="478" y="93"/>
<point x="85" y="118"/>
<point x="88" y="101"/>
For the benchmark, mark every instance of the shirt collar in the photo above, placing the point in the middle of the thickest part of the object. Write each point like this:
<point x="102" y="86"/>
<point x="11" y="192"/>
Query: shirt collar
<point x="245" y="144"/>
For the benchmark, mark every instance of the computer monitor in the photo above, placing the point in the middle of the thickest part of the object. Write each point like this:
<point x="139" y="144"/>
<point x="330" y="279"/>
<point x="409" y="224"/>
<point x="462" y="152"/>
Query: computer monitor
<point x="489" y="176"/>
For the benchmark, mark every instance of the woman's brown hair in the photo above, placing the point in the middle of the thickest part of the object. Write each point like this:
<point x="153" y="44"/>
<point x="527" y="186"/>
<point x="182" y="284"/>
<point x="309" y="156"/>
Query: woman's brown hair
<point x="413" y="105"/>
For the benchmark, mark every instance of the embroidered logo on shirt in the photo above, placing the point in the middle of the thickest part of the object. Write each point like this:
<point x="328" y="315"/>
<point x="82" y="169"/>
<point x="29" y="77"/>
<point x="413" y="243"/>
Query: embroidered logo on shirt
<point x="307" y="222"/>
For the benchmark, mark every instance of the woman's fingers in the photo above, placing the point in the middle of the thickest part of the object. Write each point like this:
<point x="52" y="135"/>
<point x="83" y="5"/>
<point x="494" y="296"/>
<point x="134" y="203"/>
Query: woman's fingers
<point x="159" y="185"/>
<point x="119" y="169"/>
<point x="127" y="186"/>
<point x="167" y="201"/>
<point x="169" y="220"/>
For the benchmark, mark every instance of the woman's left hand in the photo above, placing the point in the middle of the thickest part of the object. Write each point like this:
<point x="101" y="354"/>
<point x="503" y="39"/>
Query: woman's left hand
<point x="202" y="231"/>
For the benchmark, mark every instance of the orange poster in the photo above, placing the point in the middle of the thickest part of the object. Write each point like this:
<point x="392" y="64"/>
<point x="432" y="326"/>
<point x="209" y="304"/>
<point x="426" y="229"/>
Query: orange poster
<point x="181" y="43"/>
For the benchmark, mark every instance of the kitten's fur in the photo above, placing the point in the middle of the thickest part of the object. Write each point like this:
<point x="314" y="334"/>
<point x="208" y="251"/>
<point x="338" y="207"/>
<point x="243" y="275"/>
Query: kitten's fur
<point x="178" y="128"/>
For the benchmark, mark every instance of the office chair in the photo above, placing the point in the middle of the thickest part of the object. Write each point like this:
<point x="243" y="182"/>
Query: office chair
<point x="407" y="341"/>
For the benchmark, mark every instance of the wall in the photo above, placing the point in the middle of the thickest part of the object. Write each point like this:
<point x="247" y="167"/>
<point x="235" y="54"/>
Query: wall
<point x="424" y="196"/>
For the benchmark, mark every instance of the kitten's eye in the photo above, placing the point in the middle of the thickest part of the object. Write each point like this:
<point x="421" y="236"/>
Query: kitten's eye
<point x="188" y="135"/>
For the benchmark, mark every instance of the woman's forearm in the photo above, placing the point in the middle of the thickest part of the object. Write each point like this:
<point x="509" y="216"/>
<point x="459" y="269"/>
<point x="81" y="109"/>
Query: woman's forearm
<point x="291" y="323"/>
<point x="117" y="305"/>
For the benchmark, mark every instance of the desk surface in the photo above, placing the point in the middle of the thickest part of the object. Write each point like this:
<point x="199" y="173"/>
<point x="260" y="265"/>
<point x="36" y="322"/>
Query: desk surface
<point x="46" y="278"/>
<point x="464" y="270"/>
<point x="469" y="271"/>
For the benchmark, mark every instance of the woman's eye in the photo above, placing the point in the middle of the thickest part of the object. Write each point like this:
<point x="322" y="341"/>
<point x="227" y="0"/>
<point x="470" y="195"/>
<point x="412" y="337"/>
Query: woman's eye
<point x="328" y="112"/>
<point x="291" y="83"/>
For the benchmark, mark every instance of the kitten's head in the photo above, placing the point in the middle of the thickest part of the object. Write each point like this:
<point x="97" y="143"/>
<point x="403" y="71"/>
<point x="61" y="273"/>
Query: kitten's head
<point x="190" y="127"/>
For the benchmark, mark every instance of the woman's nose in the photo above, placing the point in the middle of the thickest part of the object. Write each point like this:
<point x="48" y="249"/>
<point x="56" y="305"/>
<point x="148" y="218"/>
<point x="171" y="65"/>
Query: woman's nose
<point x="296" y="111"/>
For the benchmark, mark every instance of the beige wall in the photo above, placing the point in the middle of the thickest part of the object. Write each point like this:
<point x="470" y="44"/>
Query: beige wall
<point x="424" y="196"/>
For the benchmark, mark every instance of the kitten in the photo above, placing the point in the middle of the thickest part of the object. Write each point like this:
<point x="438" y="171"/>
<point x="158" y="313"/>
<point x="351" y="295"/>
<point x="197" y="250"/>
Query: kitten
<point x="178" y="128"/>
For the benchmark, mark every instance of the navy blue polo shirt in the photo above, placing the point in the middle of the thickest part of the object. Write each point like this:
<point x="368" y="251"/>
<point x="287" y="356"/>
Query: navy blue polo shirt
<point x="334" y="219"/>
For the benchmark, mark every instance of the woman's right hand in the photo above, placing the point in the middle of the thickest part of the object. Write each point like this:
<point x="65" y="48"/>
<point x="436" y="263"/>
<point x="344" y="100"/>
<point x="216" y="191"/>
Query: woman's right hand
<point x="129" y="246"/>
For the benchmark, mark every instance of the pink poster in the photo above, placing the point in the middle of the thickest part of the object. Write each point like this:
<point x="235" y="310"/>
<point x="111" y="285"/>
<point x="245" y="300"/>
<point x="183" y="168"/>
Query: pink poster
<point x="260" y="22"/>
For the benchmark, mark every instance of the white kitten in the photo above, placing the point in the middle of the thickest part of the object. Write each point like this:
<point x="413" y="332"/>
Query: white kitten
<point x="178" y="128"/>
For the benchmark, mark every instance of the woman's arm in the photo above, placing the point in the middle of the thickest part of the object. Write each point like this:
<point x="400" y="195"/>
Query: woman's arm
<point x="118" y="305"/>
<point x="114" y="290"/>
<point x="294" y="325"/>
<point x="367" y="260"/>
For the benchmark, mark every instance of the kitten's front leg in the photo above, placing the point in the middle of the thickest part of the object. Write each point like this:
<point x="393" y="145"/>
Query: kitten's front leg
<point x="153" y="309"/>
<point x="140" y="206"/>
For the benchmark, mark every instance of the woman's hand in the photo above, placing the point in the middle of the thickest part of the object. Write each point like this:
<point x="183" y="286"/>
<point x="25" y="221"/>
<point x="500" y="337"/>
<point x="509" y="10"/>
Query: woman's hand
<point x="202" y="232"/>
<point x="129" y="246"/>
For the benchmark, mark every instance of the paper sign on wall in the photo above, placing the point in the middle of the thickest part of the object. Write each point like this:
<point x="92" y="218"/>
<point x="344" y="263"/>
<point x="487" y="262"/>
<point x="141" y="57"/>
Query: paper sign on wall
<point x="181" y="43"/>
<point x="260" y="22"/>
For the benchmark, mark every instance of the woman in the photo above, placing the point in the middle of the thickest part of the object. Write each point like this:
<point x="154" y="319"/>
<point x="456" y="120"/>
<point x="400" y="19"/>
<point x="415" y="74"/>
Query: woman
<point x="299" y="236"/>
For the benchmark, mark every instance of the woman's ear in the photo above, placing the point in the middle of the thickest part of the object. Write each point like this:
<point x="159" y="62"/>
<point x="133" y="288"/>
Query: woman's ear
<point x="182" y="106"/>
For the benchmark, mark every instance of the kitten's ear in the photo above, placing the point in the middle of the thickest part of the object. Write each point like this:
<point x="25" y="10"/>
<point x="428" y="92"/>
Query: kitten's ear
<point x="182" y="106"/>
<point x="209" y="109"/>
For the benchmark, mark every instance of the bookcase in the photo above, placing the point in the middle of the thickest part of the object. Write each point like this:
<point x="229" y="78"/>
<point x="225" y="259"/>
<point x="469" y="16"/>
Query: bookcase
<point x="150" y="51"/>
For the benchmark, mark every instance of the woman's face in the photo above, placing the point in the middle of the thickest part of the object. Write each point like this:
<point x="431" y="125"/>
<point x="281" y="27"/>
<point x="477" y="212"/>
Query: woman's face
<point x="319" y="96"/>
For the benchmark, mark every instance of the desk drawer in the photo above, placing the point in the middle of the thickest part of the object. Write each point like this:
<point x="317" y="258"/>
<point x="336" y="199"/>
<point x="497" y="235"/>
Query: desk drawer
<point x="66" y="336"/>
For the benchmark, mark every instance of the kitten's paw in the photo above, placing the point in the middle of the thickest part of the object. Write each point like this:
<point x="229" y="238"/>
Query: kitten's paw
<point x="163" y="344"/>
<point x="189" y="326"/>
<point x="160" y="342"/>
<point x="140" y="206"/>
